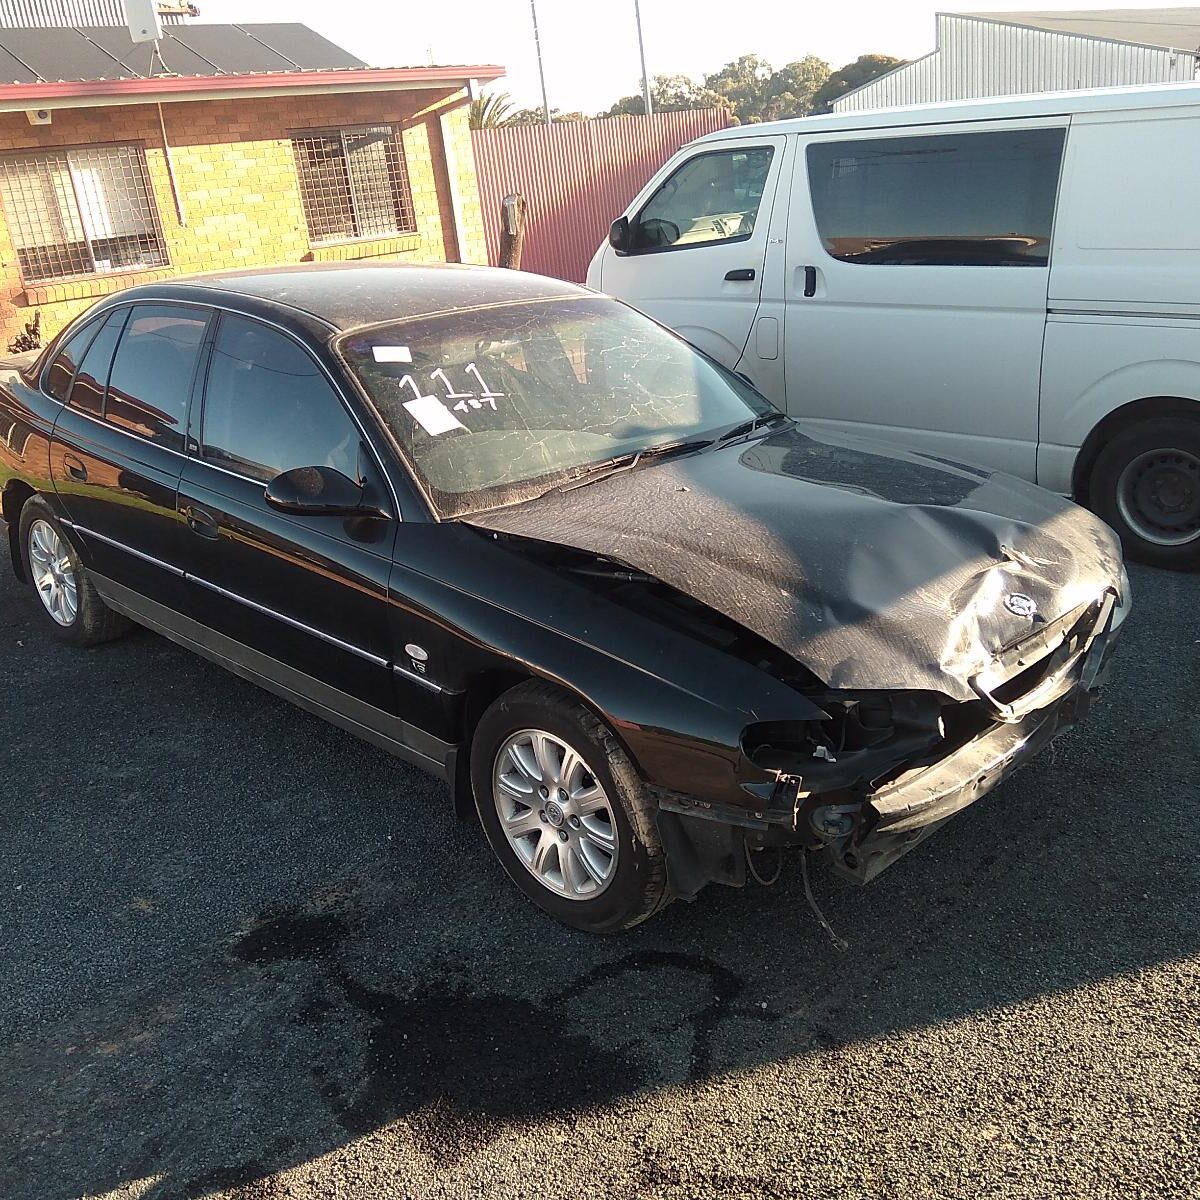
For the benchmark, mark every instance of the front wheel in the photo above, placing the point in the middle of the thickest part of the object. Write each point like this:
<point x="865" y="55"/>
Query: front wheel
<point x="1146" y="485"/>
<point x="68" y="596"/>
<point x="565" y="811"/>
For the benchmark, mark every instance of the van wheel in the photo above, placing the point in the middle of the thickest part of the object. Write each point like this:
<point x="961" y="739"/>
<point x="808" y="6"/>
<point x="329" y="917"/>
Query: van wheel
<point x="565" y="812"/>
<point x="1146" y="485"/>
<point x="69" y="599"/>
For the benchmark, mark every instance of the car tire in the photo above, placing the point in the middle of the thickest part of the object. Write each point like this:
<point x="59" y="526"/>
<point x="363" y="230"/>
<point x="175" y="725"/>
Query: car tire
<point x="565" y="811"/>
<point x="1146" y="484"/>
<point x="66" y="594"/>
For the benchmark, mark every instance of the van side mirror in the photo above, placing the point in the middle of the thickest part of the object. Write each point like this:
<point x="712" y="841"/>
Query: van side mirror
<point x="319" y="492"/>
<point x="618" y="235"/>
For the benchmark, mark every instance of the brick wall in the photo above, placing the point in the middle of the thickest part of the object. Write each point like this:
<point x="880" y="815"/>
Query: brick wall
<point x="239" y="188"/>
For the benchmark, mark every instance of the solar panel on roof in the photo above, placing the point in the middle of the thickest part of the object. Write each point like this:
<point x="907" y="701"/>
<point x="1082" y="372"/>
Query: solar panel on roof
<point x="303" y="45"/>
<point x="12" y="71"/>
<point x="93" y="53"/>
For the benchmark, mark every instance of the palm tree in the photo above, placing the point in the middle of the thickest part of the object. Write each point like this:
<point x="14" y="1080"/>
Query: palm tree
<point x="491" y="111"/>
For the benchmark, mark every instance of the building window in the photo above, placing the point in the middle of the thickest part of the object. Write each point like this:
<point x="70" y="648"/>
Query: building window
<point x="81" y="212"/>
<point x="981" y="199"/>
<point x="354" y="183"/>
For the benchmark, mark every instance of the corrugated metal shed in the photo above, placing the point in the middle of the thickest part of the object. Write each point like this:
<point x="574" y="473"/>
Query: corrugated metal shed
<point x="984" y="54"/>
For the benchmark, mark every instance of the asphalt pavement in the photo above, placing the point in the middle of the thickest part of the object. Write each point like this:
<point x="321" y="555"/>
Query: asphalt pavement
<point x="244" y="955"/>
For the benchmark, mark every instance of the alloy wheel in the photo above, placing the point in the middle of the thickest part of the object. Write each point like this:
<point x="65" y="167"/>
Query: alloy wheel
<point x="555" y="813"/>
<point x="53" y="574"/>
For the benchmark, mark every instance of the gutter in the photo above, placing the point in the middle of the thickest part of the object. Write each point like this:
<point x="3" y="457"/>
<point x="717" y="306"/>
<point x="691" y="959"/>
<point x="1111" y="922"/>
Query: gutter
<point x="102" y="93"/>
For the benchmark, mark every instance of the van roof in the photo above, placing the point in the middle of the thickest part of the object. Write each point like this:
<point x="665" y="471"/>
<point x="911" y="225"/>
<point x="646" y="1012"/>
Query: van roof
<point x="991" y="108"/>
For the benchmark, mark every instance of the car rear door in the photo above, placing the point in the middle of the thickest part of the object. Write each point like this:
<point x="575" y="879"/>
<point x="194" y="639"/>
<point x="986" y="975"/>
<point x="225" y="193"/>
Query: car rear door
<point x="118" y="444"/>
<point x="302" y="600"/>
<point x="698" y="244"/>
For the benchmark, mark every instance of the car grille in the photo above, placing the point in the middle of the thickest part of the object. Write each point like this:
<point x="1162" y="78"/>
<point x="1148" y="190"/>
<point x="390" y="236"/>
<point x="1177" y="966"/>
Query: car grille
<point x="1036" y="670"/>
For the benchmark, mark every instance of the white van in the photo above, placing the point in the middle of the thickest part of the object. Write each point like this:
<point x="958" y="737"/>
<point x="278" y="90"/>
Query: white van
<point x="1012" y="282"/>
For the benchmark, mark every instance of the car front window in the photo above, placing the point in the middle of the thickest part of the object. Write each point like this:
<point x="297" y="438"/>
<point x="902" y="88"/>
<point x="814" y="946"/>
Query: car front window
<point x="498" y="404"/>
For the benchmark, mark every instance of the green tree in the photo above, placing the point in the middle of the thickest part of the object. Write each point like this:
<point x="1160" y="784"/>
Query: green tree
<point x="853" y="75"/>
<point x="668" y="93"/>
<point x="537" y="116"/>
<point x="491" y="111"/>
<point x="790" y="91"/>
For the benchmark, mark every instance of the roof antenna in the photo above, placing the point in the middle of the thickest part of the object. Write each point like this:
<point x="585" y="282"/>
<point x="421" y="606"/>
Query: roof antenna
<point x="145" y="26"/>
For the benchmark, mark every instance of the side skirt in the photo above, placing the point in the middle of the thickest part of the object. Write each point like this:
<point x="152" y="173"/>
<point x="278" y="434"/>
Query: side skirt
<point x="372" y="724"/>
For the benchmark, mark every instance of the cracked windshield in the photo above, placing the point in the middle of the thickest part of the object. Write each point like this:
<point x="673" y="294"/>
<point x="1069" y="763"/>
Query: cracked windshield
<point x="500" y="404"/>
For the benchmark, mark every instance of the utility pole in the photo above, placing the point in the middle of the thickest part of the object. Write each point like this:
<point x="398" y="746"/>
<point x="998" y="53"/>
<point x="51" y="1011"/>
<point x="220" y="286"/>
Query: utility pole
<point x="637" y="16"/>
<point x="537" y="43"/>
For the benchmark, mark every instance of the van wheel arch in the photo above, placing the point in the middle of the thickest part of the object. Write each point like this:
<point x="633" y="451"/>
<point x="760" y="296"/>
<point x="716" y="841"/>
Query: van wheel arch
<point x="1145" y="409"/>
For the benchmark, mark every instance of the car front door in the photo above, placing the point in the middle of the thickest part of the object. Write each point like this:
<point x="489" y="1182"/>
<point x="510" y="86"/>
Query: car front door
<point x="916" y="282"/>
<point x="300" y="600"/>
<point x="118" y="445"/>
<point x="697" y="245"/>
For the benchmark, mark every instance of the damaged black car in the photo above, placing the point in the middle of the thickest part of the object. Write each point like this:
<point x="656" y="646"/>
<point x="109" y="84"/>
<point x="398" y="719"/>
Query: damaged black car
<point x="647" y="627"/>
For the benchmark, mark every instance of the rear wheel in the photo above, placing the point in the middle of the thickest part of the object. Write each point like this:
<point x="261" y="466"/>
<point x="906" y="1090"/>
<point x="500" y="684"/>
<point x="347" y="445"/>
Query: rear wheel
<point x="67" y="595"/>
<point x="1146" y="485"/>
<point x="565" y="811"/>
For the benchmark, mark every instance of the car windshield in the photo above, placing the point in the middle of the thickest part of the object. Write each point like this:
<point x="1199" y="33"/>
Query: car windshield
<point x="496" y="405"/>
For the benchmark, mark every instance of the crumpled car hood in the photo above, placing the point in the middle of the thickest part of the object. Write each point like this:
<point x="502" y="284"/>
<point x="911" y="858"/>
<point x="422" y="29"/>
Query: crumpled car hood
<point x="875" y="568"/>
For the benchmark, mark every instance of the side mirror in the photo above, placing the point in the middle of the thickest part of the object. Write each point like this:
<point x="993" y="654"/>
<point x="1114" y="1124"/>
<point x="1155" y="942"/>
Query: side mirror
<point x="320" y="492"/>
<point x="618" y="235"/>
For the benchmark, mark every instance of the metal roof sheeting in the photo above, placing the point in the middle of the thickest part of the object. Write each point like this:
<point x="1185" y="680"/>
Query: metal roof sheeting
<point x="91" y="53"/>
<point x="1170" y="28"/>
<point x="978" y="56"/>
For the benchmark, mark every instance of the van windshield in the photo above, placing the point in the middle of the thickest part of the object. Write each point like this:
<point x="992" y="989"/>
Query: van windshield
<point x="496" y="405"/>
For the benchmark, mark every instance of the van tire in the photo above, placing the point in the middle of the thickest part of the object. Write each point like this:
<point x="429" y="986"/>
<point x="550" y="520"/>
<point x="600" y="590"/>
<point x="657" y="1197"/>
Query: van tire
<point x="1146" y="484"/>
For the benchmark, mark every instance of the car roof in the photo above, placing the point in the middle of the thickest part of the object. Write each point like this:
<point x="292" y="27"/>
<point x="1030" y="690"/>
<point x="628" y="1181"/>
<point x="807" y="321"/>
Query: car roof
<point x="348" y="295"/>
<point x="991" y="108"/>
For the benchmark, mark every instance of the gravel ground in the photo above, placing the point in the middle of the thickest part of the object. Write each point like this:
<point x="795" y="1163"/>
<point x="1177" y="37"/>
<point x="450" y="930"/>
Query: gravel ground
<point x="247" y="956"/>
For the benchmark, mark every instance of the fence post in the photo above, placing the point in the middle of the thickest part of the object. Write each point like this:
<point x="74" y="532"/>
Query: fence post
<point x="512" y="230"/>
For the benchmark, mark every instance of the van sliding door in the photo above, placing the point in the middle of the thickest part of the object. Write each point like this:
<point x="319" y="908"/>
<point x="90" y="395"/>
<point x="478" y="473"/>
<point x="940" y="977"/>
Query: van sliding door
<point x="917" y="272"/>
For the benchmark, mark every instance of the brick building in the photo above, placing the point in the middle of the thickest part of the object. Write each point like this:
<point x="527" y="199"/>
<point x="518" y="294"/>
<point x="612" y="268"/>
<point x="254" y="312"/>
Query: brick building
<point x="221" y="145"/>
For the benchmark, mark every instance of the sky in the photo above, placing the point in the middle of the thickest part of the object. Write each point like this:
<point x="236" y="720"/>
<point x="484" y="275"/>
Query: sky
<point x="589" y="47"/>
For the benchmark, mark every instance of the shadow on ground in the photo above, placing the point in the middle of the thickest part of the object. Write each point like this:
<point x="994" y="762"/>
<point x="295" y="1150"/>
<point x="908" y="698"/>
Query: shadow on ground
<point x="237" y="939"/>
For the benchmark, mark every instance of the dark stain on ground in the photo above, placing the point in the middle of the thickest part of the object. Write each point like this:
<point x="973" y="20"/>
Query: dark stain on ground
<point x="459" y="1065"/>
<point x="292" y="936"/>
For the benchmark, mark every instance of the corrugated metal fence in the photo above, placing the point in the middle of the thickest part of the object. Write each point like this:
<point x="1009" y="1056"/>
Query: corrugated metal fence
<point x="576" y="177"/>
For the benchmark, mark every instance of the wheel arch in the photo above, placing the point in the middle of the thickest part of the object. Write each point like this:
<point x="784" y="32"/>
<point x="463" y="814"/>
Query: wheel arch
<point x="12" y="501"/>
<point x="1144" y="409"/>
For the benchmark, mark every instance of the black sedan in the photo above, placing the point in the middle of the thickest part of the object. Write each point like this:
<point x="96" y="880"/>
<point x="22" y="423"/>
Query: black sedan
<point x="649" y="628"/>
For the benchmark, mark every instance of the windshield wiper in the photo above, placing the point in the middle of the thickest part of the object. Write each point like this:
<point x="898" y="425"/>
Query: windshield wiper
<point x="626" y="462"/>
<point x="748" y="427"/>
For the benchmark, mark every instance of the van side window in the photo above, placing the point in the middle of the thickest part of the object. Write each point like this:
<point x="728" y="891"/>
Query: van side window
<point x="711" y="198"/>
<point x="949" y="200"/>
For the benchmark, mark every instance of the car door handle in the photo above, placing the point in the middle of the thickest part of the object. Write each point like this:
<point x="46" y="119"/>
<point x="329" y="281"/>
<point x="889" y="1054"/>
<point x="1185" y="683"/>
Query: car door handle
<point x="810" y="281"/>
<point x="75" y="468"/>
<point x="740" y="275"/>
<point x="201" y="522"/>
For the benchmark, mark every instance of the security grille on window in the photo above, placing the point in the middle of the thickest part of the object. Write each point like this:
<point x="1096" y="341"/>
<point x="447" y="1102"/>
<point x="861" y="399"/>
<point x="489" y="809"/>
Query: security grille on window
<point x="354" y="184"/>
<point x="81" y="212"/>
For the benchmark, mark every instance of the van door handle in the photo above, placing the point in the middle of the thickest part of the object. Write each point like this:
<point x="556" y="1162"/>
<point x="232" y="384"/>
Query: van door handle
<point x="75" y="468"/>
<point x="201" y="522"/>
<point x="810" y="281"/>
<point x="740" y="275"/>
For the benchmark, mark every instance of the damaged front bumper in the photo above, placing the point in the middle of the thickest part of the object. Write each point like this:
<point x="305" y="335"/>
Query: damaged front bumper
<point x="862" y="832"/>
<point x="905" y="811"/>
